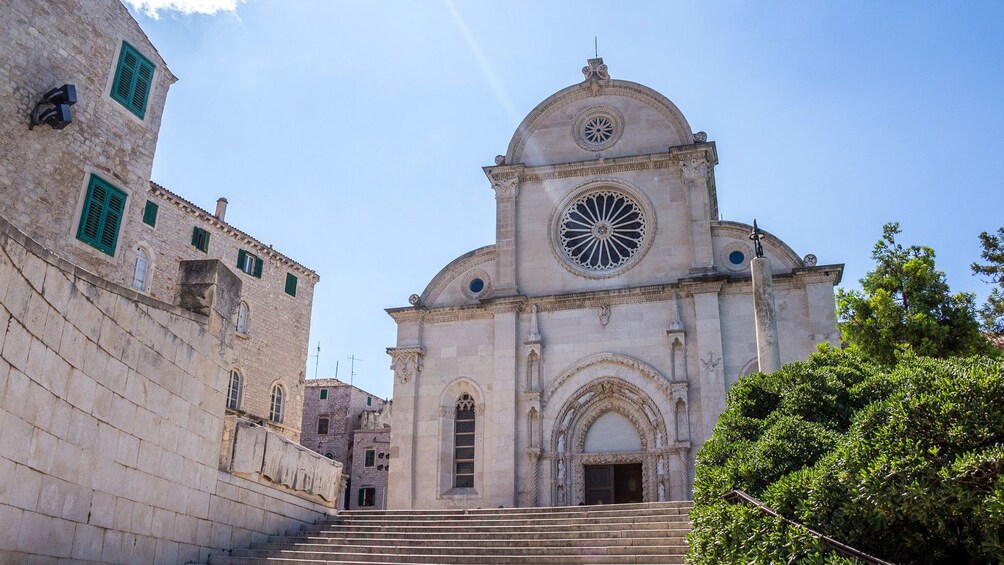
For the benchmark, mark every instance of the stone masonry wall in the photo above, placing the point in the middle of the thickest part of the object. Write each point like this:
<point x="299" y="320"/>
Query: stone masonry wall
<point x="111" y="415"/>
<point x="44" y="172"/>
<point x="374" y="476"/>
<point x="274" y="350"/>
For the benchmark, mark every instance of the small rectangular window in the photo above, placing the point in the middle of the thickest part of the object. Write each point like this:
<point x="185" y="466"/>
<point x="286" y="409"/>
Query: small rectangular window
<point x="367" y="496"/>
<point x="249" y="263"/>
<point x="370" y="457"/>
<point x="200" y="239"/>
<point x="369" y="401"/>
<point x="322" y="426"/>
<point x="150" y="214"/>
<point x="101" y="216"/>
<point x="290" y="284"/>
<point x="324" y="393"/>
<point x="133" y="80"/>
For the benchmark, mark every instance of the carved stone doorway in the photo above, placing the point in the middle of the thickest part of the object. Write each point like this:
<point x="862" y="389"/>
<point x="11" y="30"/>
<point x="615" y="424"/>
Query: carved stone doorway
<point x="613" y="484"/>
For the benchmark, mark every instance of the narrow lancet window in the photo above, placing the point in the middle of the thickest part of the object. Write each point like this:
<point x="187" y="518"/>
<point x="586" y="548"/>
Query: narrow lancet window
<point x="463" y="441"/>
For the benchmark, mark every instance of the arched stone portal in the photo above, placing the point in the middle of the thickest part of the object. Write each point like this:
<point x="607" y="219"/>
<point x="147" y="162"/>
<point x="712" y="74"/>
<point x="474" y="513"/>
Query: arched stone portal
<point x="615" y="392"/>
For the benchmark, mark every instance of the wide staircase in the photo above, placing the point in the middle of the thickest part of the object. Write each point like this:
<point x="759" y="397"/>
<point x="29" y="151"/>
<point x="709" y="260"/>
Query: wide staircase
<point x="570" y="535"/>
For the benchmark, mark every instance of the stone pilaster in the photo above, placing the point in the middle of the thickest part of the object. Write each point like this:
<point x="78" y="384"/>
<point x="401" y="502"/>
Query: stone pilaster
<point x="502" y="415"/>
<point x="768" y="351"/>
<point x="506" y="192"/>
<point x="709" y="352"/>
<point x="697" y="172"/>
<point x="406" y="362"/>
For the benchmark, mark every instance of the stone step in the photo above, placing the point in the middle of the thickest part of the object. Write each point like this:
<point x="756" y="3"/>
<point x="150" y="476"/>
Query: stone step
<point x="450" y="551"/>
<point x="494" y="526"/>
<point x="362" y="559"/>
<point x="599" y="540"/>
<point x="507" y="539"/>
<point x="628" y="508"/>
<point x="653" y="533"/>
<point x="448" y="534"/>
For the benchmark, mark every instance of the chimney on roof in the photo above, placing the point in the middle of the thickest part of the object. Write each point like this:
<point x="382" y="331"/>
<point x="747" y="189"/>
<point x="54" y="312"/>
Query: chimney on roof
<point x="221" y="209"/>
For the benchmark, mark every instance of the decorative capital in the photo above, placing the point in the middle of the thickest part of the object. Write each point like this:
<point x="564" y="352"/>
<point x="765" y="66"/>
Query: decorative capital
<point x="695" y="167"/>
<point x="595" y="70"/>
<point x="506" y="189"/>
<point x="406" y="362"/>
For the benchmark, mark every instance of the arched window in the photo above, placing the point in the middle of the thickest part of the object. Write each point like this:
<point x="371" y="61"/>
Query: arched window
<point x="463" y="443"/>
<point x="275" y="412"/>
<point x="141" y="270"/>
<point x="234" y="390"/>
<point x="242" y="318"/>
<point x="330" y="455"/>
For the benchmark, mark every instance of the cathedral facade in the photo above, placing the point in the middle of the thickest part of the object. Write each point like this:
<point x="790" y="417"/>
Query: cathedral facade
<point x="585" y="356"/>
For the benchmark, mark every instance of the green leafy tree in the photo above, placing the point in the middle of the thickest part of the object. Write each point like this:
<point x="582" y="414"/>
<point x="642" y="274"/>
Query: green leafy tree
<point x="905" y="305"/>
<point x="904" y="462"/>
<point x="992" y="313"/>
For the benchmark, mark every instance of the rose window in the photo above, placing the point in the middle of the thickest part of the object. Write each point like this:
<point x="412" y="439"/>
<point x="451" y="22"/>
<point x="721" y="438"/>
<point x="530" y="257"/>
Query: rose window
<point x="598" y="130"/>
<point x="602" y="230"/>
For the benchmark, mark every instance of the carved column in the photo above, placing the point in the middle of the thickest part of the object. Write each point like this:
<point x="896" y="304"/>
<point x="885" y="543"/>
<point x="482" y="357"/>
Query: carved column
<point x="406" y="362"/>
<point x="697" y="176"/>
<point x="506" y="191"/>
<point x="709" y="352"/>
<point x="533" y="477"/>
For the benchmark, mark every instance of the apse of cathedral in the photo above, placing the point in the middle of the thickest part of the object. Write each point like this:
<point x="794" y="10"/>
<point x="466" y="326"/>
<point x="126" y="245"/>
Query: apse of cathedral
<point x="585" y="356"/>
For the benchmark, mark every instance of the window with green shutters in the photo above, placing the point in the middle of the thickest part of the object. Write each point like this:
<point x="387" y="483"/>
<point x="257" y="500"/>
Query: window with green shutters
<point x="150" y="214"/>
<point x="101" y="215"/>
<point x="370" y="457"/>
<point x="290" y="284"/>
<point x="324" y="393"/>
<point x="133" y="80"/>
<point x="200" y="239"/>
<point x="251" y="264"/>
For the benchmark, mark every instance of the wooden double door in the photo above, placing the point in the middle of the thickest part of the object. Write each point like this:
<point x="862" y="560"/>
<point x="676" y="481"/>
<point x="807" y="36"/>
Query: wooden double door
<point x="613" y="484"/>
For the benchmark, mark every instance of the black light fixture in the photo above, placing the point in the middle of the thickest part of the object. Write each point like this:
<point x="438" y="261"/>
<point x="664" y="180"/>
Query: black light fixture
<point x="58" y="115"/>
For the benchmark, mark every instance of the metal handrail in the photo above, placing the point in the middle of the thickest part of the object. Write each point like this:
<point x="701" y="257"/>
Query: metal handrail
<point x="738" y="496"/>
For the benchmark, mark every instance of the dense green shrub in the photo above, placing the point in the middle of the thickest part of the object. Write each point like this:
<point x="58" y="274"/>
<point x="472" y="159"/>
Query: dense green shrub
<point x="904" y="463"/>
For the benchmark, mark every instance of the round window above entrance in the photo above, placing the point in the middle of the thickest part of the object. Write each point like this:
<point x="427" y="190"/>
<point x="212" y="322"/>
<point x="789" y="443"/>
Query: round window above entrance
<point x="602" y="232"/>
<point x="598" y="128"/>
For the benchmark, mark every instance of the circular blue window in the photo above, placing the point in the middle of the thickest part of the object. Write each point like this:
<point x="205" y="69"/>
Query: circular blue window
<point x="737" y="257"/>
<point x="476" y="285"/>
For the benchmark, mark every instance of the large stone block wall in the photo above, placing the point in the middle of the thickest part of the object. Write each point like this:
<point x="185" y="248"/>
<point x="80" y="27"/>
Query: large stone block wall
<point x="111" y="417"/>
<point x="44" y="172"/>
<point x="274" y="350"/>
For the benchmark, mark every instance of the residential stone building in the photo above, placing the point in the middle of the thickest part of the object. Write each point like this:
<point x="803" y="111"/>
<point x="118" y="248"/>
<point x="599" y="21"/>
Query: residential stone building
<point x="585" y="355"/>
<point x="116" y="441"/>
<point x="345" y="423"/>
<point x="84" y="191"/>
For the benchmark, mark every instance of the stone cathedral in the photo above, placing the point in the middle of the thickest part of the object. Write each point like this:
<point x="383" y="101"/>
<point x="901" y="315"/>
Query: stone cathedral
<point x="585" y="356"/>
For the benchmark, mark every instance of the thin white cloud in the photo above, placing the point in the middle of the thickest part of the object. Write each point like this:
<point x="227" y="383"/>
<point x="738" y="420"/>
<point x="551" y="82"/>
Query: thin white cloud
<point x="152" y="8"/>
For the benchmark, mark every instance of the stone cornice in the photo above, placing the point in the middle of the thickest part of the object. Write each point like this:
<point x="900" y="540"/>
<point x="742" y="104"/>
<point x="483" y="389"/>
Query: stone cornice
<point x="718" y="282"/>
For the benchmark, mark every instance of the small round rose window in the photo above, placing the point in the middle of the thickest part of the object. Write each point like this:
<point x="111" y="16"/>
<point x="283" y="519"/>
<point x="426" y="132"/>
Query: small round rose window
<point x="598" y="130"/>
<point x="602" y="230"/>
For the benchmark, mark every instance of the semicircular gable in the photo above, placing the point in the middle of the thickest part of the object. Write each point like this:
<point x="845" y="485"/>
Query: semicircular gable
<point x="454" y="270"/>
<point x="772" y="244"/>
<point x="548" y="114"/>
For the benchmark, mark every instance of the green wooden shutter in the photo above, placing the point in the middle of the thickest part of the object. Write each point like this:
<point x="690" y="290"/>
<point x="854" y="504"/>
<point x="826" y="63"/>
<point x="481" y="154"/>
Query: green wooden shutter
<point x="257" y="267"/>
<point x="205" y="241"/>
<point x="362" y="497"/>
<point x="370" y="457"/>
<point x="195" y="237"/>
<point x="150" y="214"/>
<point x="133" y="80"/>
<point x="290" y="284"/>
<point x="324" y="393"/>
<point x="241" y="259"/>
<point x="101" y="215"/>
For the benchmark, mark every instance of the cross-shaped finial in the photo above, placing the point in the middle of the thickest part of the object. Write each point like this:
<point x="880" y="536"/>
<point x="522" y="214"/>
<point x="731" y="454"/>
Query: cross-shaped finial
<point x="755" y="238"/>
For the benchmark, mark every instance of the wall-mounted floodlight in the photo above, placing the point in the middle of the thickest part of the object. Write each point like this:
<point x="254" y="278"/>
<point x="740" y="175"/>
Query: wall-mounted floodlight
<point x="58" y="115"/>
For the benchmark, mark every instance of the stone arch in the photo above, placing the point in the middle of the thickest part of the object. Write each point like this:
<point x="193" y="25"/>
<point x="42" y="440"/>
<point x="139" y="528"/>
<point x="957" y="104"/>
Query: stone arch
<point x="614" y="364"/>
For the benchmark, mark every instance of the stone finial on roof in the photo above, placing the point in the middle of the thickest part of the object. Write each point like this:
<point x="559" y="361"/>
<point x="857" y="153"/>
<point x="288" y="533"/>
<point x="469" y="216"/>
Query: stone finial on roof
<point x="595" y="69"/>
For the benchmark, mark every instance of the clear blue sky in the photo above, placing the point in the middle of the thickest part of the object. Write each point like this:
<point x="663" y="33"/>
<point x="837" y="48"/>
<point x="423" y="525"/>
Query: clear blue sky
<point x="351" y="135"/>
